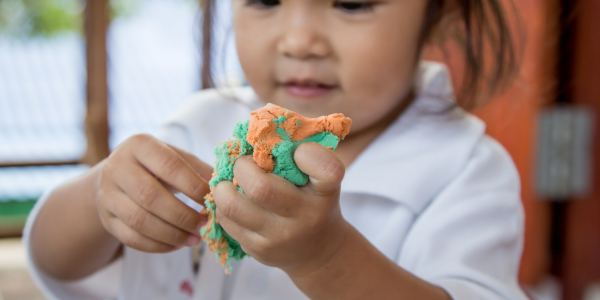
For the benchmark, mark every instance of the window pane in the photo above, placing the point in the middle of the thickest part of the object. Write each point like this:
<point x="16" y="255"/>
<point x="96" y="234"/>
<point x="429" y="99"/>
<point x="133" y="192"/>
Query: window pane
<point x="154" y="62"/>
<point x="153" y="65"/>
<point x="42" y="98"/>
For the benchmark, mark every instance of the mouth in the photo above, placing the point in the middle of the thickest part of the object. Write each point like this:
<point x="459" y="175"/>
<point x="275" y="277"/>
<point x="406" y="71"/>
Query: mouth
<point x="307" y="88"/>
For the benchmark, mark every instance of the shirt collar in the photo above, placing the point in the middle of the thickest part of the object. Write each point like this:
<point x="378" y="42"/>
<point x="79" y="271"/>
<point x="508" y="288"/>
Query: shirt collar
<point x="422" y="150"/>
<point x="419" y="153"/>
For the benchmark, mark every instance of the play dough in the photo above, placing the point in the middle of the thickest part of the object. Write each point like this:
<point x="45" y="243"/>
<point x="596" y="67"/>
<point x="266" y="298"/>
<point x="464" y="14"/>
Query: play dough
<point x="271" y="136"/>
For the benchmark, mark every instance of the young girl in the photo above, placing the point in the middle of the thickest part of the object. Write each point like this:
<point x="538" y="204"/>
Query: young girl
<point x="416" y="203"/>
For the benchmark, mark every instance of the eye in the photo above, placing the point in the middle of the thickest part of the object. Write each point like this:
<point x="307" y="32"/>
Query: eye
<point x="354" y="6"/>
<point x="264" y="4"/>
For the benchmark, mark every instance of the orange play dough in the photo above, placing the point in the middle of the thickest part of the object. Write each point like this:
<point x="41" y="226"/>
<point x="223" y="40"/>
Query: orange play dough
<point x="263" y="136"/>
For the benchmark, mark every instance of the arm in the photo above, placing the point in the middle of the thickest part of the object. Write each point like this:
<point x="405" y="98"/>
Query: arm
<point x="70" y="211"/>
<point x="359" y="271"/>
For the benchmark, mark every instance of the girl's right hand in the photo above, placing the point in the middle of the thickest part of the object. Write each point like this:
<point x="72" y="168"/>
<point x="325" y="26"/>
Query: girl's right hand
<point x="135" y="198"/>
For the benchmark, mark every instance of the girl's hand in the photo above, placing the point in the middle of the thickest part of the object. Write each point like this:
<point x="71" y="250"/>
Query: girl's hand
<point x="135" y="198"/>
<point x="297" y="229"/>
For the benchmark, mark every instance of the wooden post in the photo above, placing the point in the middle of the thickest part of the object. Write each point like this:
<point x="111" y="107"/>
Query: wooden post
<point x="581" y="263"/>
<point x="96" y="120"/>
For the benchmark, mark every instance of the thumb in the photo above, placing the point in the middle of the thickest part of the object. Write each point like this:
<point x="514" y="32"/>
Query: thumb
<point x="323" y="166"/>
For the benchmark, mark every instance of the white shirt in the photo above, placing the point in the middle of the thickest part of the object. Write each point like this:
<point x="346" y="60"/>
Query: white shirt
<point x="433" y="193"/>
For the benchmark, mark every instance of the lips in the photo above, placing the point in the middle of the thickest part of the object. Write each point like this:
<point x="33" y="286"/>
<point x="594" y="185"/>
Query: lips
<point x="307" y="88"/>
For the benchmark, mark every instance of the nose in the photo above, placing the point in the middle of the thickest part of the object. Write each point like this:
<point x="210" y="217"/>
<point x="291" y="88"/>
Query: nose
<point x="301" y="39"/>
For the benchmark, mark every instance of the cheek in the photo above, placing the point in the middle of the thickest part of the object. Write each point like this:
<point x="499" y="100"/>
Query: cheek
<point x="377" y="75"/>
<point x="378" y="72"/>
<point x="255" y="53"/>
<point x="384" y="71"/>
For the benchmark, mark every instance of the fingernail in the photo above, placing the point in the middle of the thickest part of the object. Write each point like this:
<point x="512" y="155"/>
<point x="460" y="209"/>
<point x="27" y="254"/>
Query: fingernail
<point x="193" y="240"/>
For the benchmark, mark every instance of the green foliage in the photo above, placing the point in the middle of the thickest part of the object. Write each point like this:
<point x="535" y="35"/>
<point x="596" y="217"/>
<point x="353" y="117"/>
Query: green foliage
<point x="40" y="17"/>
<point x="25" y="18"/>
<point x="53" y="16"/>
<point x="122" y="8"/>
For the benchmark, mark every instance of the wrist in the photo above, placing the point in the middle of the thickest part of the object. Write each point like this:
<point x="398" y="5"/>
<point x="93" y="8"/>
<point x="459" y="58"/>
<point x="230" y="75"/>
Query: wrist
<point x="355" y="272"/>
<point x="335" y="240"/>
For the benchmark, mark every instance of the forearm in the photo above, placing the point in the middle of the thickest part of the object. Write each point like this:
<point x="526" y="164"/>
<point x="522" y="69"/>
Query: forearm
<point x="68" y="240"/>
<point x="360" y="271"/>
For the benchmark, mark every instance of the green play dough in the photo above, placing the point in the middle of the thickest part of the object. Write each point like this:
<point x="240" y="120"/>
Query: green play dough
<point x="283" y="156"/>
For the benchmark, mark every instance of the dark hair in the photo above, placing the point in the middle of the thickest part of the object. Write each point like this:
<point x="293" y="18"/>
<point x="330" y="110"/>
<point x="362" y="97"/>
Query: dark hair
<point x="208" y="9"/>
<point x="479" y="27"/>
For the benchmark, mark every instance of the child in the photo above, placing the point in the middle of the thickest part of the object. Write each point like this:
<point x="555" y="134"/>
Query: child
<point x="428" y="207"/>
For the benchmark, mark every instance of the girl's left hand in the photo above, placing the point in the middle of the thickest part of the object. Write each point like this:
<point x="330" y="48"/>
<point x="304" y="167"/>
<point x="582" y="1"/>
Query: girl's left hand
<point x="297" y="229"/>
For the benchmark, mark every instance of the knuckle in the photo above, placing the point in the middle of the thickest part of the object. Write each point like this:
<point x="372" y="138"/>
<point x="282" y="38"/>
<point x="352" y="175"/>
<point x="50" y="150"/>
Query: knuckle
<point x="112" y="156"/>
<point x="136" y="219"/>
<point x="107" y="173"/>
<point x="335" y="171"/>
<point x="332" y="176"/>
<point x="108" y="167"/>
<point x="228" y="208"/>
<point x="240" y="164"/>
<point x="260" y="190"/>
<point x="184" y="219"/>
<point x="133" y="241"/>
<point x="101" y="195"/>
<point x="148" y="194"/>
<point x="199" y="189"/>
<point x="261" y="246"/>
<point x="171" y="165"/>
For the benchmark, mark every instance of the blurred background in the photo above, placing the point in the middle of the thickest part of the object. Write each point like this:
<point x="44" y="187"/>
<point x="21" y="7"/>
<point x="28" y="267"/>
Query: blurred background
<point x="78" y="77"/>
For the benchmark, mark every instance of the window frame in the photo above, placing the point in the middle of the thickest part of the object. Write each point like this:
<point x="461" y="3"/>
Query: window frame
<point x="96" y="20"/>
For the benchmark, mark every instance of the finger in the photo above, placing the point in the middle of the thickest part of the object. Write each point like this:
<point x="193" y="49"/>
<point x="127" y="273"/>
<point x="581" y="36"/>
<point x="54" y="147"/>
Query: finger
<point x="166" y="164"/>
<point x="202" y="168"/>
<point x="147" y="224"/>
<point x="147" y="191"/>
<point x="135" y="240"/>
<point x="270" y="191"/>
<point x="238" y="208"/>
<point x="323" y="166"/>
<point x="246" y="237"/>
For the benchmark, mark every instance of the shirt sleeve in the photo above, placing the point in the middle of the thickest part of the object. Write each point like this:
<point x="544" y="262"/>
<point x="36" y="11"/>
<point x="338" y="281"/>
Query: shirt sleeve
<point x="470" y="238"/>
<point x="105" y="283"/>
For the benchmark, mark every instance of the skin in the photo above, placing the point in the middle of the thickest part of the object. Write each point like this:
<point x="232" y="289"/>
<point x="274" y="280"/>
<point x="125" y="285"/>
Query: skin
<point x="367" y="60"/>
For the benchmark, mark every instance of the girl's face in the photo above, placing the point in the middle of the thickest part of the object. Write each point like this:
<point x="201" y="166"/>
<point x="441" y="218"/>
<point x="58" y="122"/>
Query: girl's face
<point x="317" y="57"/>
